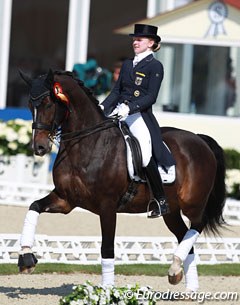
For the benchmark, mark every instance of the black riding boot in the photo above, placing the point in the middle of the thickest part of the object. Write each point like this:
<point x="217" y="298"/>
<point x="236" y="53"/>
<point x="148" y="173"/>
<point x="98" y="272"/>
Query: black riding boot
<point x="159" y="203"/>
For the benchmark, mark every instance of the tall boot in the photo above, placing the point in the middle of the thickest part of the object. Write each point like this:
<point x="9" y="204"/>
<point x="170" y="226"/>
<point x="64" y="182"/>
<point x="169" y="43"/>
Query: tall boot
<point x="160" y="204"/>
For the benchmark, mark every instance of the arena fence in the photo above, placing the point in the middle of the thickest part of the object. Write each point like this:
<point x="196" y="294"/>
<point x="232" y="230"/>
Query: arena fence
<point x="23" y="194"/>
<point x="128" y="250"/>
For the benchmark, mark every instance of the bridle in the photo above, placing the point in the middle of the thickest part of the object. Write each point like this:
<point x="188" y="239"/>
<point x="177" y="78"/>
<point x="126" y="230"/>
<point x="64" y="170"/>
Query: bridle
<point x="53" y="128"/>
<point x="36" y="102"/>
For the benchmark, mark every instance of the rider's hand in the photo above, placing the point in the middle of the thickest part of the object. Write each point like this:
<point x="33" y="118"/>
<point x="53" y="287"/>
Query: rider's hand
<point x="122" y="111"/>
<point x="101" y="106"/>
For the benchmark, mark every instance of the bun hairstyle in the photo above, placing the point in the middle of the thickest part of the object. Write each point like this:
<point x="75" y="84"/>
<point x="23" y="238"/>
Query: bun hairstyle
<point x="149" y="31"/>
<point x="156" y="46"/>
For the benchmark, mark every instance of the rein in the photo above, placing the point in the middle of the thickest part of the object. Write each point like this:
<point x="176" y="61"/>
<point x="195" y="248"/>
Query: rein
<point x="80" y="134"/>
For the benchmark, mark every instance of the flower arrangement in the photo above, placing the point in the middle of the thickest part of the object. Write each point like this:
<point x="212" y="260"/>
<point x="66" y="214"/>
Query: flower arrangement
<point x="90" y="294"/>
<point x="233" y="183"/>
<point x="15" y="137"/>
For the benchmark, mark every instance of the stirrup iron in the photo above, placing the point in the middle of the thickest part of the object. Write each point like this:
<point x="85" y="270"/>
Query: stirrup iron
<point x="149" y="212"/>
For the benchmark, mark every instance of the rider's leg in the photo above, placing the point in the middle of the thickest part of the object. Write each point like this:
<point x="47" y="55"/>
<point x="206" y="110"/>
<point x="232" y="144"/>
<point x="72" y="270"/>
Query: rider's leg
<point x="157" y="189"/>
<point x="139" y="129"/>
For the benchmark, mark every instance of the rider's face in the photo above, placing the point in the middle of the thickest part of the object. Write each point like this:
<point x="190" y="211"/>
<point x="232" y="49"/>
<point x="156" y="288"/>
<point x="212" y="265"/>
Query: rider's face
<point x="142" y="44"/>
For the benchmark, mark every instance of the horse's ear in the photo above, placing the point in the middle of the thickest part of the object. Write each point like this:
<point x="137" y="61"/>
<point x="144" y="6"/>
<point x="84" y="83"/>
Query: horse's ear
<point x="25" y="77"/>
<point x="50" y="78"/>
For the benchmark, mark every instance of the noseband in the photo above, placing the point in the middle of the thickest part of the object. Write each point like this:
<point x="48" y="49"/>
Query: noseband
<point x="36" y="101"/>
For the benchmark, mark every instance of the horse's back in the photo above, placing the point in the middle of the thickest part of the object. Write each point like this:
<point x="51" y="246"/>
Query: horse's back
<point x="195" y="162"/>
<point x="195" y="149"/>
<point x="196" y="145"/>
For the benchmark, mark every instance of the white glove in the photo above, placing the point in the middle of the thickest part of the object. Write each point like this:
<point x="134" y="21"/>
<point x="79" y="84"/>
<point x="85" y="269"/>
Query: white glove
<point x="101" y="106"/>
<point x="114" y="112"/>
<point x="122" y="111"/>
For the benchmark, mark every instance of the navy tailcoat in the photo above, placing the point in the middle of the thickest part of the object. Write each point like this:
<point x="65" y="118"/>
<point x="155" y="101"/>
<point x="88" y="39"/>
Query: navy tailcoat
<point x="139" y="86"/>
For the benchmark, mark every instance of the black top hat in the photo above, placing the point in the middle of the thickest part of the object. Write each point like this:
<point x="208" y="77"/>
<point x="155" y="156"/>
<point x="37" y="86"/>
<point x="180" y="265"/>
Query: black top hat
<point x="144" y="30"/>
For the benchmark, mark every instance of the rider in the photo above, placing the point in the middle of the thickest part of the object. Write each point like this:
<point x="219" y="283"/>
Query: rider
<point x="132" y="98"/>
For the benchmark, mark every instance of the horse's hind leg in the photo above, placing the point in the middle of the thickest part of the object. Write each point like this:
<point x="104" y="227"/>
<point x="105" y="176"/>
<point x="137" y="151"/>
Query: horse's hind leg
<point x="184" y="254"/>
<point x="51" y="204"/>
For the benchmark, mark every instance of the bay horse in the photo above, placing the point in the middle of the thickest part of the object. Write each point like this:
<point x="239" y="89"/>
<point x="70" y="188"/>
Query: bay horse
<point x="90" y="171"/>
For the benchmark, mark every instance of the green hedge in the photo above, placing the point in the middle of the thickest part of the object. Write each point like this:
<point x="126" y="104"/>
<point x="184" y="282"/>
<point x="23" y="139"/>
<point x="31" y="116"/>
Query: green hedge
<point x="232" y="158"/>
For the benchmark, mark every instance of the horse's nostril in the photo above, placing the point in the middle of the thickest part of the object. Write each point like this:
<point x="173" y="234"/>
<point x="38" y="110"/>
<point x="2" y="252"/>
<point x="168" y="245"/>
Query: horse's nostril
<point x="40" y="150"/>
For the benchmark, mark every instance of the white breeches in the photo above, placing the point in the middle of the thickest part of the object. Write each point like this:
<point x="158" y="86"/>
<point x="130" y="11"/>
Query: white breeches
<point x="139" y="129"/>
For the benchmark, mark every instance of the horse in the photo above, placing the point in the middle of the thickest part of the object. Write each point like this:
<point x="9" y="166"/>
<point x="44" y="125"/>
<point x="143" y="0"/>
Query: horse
<point x="90" y="171"/>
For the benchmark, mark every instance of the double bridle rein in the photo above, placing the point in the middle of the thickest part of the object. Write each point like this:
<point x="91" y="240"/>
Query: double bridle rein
<point x="64" y="137"/>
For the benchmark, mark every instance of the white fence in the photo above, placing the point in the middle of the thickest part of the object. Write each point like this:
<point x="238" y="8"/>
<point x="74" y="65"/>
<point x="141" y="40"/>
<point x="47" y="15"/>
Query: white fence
<point x="23" y="194"/>
<point x="128" y="250"/>
<point x="86" y="250"/>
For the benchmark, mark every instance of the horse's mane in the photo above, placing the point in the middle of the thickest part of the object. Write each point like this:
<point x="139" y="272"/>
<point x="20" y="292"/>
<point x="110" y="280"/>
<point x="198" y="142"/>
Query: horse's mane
<point x="87" y="90"/>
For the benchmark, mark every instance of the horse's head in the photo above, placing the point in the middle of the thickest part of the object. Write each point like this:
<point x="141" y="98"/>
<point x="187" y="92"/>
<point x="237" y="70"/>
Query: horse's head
<point x="49" y="107"/>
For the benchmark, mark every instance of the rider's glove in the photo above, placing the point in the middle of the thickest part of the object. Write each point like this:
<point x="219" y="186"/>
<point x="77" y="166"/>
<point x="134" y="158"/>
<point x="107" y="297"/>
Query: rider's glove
<point x="101" y="106"/>
<point x="122" y="111"/>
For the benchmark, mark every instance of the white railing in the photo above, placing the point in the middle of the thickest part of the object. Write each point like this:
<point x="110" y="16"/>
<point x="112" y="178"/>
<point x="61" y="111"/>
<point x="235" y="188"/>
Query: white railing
<point x="128" y="250"/>
<point x="23" y="194"/>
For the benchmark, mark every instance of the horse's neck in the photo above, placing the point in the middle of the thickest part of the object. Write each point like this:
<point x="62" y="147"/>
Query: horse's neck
<point x="82" y="117"/>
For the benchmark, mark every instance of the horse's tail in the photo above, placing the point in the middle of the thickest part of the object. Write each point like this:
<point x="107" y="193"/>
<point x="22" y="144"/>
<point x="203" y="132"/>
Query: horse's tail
<point x="213" y="214"/>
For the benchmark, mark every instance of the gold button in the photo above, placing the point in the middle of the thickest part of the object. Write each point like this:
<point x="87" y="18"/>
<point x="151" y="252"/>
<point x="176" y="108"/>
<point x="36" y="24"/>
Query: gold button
<point x="136" y="93"/>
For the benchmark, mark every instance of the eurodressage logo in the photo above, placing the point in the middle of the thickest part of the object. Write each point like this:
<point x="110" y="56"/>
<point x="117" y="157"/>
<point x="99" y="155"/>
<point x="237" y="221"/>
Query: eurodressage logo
<point x="217" y="13"/>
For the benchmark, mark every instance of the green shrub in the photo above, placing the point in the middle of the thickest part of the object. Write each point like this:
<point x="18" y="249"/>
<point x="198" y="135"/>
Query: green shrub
<point x="232" y="158"/>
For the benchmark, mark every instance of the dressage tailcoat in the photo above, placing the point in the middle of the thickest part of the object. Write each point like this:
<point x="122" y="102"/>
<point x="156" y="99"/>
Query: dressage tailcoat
<point x="138" y="87"/>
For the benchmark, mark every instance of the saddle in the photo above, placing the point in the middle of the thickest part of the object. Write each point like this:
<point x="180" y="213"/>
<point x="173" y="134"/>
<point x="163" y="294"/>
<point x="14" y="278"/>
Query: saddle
<point x="135" y="169"/>
<point x="134" y="154"/>
<point x="134" y="159"/>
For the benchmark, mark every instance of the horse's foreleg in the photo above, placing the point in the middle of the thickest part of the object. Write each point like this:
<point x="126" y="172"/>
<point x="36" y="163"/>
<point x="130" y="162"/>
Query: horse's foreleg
<point x="108" y="225"/>
<point x="51" y="203"/>
<point x="27" y="260"/>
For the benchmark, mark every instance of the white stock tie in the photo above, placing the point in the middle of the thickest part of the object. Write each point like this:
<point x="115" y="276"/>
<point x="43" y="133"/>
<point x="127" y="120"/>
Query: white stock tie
<point x="135" y="61"/>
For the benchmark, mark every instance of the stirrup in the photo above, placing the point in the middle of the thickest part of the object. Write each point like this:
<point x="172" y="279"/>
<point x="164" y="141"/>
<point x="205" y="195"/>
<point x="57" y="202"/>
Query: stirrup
<point x="156" y="209"/>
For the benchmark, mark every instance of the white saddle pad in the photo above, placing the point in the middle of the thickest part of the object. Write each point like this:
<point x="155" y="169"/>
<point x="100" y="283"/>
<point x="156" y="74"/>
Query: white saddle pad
<point x="167" y="178"/>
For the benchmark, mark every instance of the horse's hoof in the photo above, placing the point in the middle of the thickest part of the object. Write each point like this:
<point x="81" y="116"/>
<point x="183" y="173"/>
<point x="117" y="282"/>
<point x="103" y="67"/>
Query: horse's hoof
<point x="26" y="270"/>
<point x="174" y="279"/>
<point x="27" y="263"/>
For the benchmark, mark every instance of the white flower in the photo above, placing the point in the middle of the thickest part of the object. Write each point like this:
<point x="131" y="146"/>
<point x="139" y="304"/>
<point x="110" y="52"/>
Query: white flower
<point x="15" y="135"/>
<point x="24" y="139"/>
<point x="11" y="135"/>
<point x="232" y="177"/>
<point x="105" y="295"/>
<point x="116" y="293"/>
<point x="2" y="129"/>
<point x="12" y="145"/>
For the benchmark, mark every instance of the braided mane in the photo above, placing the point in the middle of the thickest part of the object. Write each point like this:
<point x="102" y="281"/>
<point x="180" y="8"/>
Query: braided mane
<point x="87" y="90"/>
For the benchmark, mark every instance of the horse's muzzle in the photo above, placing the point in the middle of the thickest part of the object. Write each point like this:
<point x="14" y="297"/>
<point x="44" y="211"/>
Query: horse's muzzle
<point x="41" y="144"/>
<point x="40" y="150"/>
